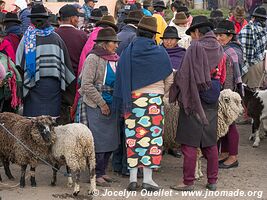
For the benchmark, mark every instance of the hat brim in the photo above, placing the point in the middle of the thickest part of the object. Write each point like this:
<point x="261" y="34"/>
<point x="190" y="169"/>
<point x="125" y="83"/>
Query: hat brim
<point x="180" y="21"/>
<point x="12" y="20"/>
<point x="259" y="15"/>
<point x="223" y="31"/>
<point x="160" y="6"/>
<point x="190" y="29"/>
<point x="129" y="20"/>
<point x="147" y="29"/>
<point x="109" y="40"/>
<point x="95" y="18"/>
<point x="178" y="38"/>
<point x="107" y="23"/>
<point x="39" y="15"/>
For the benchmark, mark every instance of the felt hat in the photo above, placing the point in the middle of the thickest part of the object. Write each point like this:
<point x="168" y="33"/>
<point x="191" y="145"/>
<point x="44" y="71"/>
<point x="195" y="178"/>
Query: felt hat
<point x="260" y="12"/>
<point x="239" y="11"/>
<point x="199" y="21"/>
<point x="160" y="4"/>
<point x="104" y="10"/>
<point x="108" y="20"/>
<point x="216" y="14"/>
<point x="38" y="11"/>
<point x="148" y="23"/>
<point x="53" y="19"/>
<point x="170" y="33"/>
<point x="134" y="16"/>
<point x="183" y="9"/>
<point x="11" y="17"/>
<point x="225" y="26"/>
<point x="180" y="18"/>
<point x="107" y="34"/>
<point x="96" y="14"/>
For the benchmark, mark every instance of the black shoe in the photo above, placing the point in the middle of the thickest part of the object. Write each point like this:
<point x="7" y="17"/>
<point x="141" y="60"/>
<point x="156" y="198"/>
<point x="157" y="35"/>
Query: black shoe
<point x="233" y="165"/>
<point x="132" y="186"/>
<point x="211" y="187"/>
<point x="176" y="153"/>
<point x="149" y="187"/>
<point x="125" y="174"/>
<point x="222" y="161"/>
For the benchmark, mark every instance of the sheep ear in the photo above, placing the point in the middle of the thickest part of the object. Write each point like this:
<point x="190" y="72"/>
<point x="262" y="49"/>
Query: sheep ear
<point x="54" y="121"/>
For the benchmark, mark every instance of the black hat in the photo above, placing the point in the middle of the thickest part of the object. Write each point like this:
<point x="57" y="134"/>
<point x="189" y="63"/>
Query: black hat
<point x="216" y="14"/>
<point x="170" y="33"/>
<point x="38" y="11"/>
<point x="96" y="14"/>
<point x="104" y="10"/>
<point x="107" y="20"/>
<point x="11" y="17"/>
<point x="160" y="4"/>
<point x="199" y="21"/>
<point x="225" y="26"/>
<point x="86" y="1"/>
<point x="134" y="17"/>
<point x="107" y="34"/>
<point x="183" y="9"/>
<point x="53" y="19"/>
<point x="260" y="12"/>
<point x="69" y="10"/>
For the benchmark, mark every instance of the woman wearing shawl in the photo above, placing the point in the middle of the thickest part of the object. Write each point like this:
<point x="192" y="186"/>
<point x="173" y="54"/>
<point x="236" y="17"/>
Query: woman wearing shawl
<point x="98" y="77"/>
<point x="44" y="59"/>
<point x="144" y="75"/>
<point x="226" y="35"/>
<point x="176" y="53"/>
<point x="197" y="91"/>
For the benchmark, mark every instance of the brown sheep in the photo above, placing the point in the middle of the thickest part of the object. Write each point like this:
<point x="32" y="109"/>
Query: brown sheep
<point x="36" y="133"/>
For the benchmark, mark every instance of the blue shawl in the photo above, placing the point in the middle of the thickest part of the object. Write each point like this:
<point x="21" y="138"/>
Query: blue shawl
<point x="142" y="63"/>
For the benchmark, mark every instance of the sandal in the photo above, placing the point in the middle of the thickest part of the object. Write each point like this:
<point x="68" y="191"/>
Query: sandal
<point x="102" y="183"/>
<point x="109" y="179"/>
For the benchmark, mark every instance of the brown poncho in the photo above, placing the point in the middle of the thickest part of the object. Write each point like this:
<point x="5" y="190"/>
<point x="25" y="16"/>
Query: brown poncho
<point x="194" y="75"/>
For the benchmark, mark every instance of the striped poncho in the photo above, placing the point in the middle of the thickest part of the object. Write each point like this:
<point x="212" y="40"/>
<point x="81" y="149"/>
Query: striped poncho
<point x="52" y="60"/>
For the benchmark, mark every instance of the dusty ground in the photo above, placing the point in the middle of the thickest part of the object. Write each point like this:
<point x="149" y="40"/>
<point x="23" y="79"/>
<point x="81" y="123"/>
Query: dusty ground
<point x="250" y="176"/>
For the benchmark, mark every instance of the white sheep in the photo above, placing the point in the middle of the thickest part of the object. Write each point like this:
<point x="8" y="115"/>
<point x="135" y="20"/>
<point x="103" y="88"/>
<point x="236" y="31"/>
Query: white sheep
<point x="230" y="107"/>
<point x="75" y="148"/>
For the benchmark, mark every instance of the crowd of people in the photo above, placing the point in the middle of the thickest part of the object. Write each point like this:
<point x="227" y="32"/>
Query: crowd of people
<point x="114" y="73"/>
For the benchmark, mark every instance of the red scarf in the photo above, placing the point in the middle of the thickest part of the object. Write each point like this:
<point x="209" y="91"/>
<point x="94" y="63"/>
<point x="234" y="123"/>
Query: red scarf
<point x="238" y="26"/>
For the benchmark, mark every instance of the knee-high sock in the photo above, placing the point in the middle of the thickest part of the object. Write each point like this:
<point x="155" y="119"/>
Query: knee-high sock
<point x="148" y="176"/>
<point x="133" y="174"/>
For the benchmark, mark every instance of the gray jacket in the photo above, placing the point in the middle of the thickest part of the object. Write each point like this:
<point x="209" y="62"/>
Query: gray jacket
<point x="93" y="74"/>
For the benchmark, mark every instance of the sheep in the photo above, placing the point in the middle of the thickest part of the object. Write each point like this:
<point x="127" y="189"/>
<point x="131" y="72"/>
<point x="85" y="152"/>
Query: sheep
<point x="230" y="107"/>
<point x="36" y="133"/>
<point x="74" y="147"/>
<point x="256" y="105"/>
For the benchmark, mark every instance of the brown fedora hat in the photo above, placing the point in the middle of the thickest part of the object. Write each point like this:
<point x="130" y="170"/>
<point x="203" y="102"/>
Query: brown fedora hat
<point x="180" y="18"/>
<point x="108" y="20"/>
<point x="239" y="11"/>
<point x="107" y="34"/>
<point x="148" y="24"/>
<point x="134" y="16"/>
<point x="147" y="3"/>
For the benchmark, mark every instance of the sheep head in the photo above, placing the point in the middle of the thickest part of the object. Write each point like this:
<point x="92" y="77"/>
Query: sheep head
<point x="231" y="103"/>
<point x="44" y="129"/>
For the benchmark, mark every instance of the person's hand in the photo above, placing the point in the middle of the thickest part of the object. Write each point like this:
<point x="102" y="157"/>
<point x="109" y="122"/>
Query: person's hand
<point x="105" y="110"/>
<point x="1" y="83"/>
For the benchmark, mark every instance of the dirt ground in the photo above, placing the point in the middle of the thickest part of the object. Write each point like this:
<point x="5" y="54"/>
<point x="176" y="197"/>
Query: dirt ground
<point x="250" y="178"/>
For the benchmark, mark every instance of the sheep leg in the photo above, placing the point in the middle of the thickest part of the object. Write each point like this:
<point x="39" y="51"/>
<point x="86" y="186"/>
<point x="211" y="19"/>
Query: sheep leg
<point x="256" y="131"/>
<point x="76" y="185"/>
<point x="252" y="135"/>
<point x="92" y="176"/>
<point x="257" y="139"/>
<point x="70" y="181"/>
<point x="54" y="179"/>
<point x="7" y="169"/>
<point x="33" y="181"/>
<point x="22" y="176"/>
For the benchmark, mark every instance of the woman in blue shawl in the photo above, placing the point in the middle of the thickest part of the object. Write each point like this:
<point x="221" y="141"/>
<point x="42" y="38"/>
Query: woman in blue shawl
<point x="143" y="76"/>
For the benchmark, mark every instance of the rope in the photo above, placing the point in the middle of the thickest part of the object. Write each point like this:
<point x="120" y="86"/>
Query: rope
<point x="13" y="186"/>
<point x="35" y="155"/>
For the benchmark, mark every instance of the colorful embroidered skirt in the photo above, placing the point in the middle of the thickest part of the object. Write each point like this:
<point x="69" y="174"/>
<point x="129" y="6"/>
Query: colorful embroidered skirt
<point x="144" y="129"/>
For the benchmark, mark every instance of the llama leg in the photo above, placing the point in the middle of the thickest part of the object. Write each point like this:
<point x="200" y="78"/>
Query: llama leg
<point x="252" y="135"/>
<point x="33" y="181"/>
<point x="54" y="179"/>
<point x="22" y="176"/>
<point x="257" y="139"/>
<point x="7" y="169"/>
<point x="92" y="175"/>
<point x="70" y="181"/>
<point x="257" y="129"/>
<point x="76" y="185"/>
